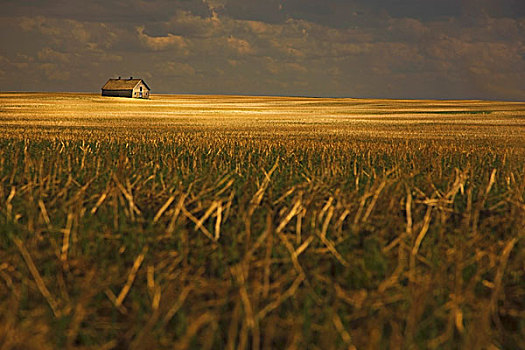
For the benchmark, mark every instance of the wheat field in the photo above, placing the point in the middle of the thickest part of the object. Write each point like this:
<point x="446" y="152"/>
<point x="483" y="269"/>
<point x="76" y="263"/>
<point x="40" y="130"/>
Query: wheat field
<point x="231" y="222"/>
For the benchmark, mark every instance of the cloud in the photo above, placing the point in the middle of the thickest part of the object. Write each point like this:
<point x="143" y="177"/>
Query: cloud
<point x="57" y="28"/>
<point x="270" y="11"/>
<point x="194" y="26"/>
<point x="277" y="67"/>
<point x="407" y="29"/>
<point x="162" y="42"/>
<point x="241" y="46"/>
<point x="71" y="33"/>
<point x="395" y="48"/>
<point x="49" y="55"/>
<point x="176" y="69"/>
<point x="53" y="72"/>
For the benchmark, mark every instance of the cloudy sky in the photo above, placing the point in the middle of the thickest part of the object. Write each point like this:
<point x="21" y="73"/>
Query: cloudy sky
<point x="354" y="48"/>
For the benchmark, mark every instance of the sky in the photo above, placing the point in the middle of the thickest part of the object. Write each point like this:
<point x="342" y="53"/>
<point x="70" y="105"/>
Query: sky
<point x="438" y="49"/>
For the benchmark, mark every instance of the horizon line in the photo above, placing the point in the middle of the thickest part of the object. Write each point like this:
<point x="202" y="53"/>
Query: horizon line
<point x="279" y="95"/>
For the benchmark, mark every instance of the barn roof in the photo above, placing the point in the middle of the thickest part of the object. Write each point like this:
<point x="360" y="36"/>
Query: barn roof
<point x="122" y="84"/>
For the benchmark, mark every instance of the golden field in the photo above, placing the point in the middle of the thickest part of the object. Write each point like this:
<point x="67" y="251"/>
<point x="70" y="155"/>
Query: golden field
<point x="267" y="116"/>
<point x="211" y="222"/>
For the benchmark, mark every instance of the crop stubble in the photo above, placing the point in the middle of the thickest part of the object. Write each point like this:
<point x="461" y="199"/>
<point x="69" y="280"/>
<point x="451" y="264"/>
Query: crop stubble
<point x="260" y="222"/>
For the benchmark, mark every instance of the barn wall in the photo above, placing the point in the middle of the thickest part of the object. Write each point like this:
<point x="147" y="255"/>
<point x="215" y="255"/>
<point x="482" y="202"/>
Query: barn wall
<point x="136" y="91"/>
<point x="117" y="93"/>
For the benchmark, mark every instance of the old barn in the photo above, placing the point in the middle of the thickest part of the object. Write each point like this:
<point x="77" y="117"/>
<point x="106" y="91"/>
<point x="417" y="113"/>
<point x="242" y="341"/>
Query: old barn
<point x="135" y="88"/>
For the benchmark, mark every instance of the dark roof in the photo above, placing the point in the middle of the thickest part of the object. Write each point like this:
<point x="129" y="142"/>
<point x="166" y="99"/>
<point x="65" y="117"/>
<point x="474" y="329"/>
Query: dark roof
<point x="122" y="84"/>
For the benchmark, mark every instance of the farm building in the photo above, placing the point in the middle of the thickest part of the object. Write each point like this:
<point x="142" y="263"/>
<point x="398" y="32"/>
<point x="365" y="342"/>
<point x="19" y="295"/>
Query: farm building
<point x="135" y="88"/>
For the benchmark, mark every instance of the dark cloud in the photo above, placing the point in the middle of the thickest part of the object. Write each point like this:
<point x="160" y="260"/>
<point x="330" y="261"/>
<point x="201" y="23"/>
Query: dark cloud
<point x="326" y="12"/>
<point x="397" y="48"/>
<point x="344" y="13"/>
<point x="104" y="10"/>
<point x="270" y="11"/>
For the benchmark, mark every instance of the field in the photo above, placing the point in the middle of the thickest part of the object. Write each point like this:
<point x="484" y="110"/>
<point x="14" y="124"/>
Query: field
<point x="225" y="222"/>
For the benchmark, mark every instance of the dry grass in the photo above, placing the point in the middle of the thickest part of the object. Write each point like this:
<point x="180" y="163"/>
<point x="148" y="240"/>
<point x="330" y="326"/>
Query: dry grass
<point x="260" y="222"/>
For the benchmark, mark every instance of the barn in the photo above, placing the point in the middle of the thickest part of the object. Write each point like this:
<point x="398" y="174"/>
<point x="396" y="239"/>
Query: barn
<point x="135" y="88"/>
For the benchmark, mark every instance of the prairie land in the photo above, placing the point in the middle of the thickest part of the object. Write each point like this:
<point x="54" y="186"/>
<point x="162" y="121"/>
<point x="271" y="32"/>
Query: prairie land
<point x="211" y="222"/>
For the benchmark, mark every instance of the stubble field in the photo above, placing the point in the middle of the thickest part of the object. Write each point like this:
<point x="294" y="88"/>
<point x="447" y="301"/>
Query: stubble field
<point x="211" y="222"/>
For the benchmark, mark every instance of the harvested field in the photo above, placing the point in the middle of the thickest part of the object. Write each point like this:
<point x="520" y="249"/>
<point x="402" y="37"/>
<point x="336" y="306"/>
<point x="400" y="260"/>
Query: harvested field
<point x="210" y="222"/>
